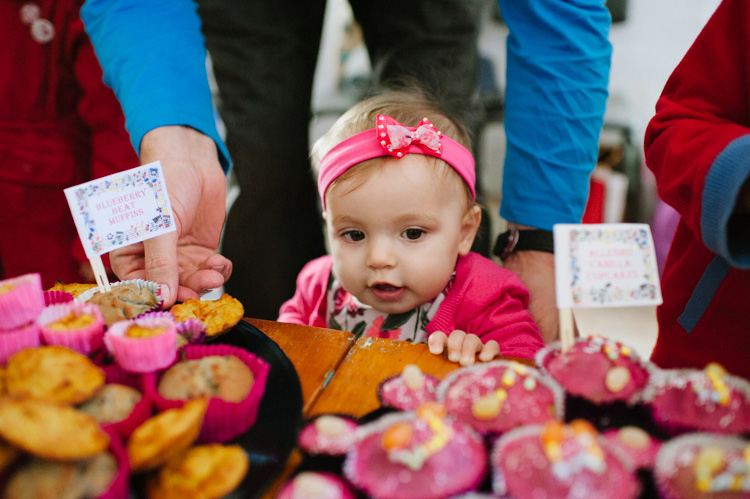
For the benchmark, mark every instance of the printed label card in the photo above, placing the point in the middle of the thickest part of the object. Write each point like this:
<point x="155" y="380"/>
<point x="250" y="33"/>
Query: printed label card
<point x="121" y="209"/>
<point x="605" y="265"/>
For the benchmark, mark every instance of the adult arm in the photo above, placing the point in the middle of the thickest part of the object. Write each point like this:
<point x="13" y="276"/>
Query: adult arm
<point x="153" y="56"/>
<point x="698" y="142"/>
<point x="558" y="60"/>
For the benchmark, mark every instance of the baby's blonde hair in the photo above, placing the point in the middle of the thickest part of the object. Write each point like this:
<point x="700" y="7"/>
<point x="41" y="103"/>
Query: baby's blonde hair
<point x="407" y="106"/>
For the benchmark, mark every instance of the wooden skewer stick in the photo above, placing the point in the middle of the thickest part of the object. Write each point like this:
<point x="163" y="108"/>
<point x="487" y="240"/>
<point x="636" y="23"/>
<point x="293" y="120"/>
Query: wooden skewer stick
<point x="566" y="329"/>
<point x="101" y="275"/>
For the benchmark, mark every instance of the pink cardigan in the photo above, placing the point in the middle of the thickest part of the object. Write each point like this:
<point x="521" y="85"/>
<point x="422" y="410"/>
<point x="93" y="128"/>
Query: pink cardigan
<point x="485" y="300"/>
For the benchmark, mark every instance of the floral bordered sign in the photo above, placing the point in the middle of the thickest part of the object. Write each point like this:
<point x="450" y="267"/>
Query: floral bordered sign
<point x="121" y="209"/>
<point x="605" y="265"/>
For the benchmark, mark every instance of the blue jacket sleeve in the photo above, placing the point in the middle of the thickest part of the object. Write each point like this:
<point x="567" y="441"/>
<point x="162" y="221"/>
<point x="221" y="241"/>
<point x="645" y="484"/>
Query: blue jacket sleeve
<point x="558" y="60"/>
<point x="154" y="58"/>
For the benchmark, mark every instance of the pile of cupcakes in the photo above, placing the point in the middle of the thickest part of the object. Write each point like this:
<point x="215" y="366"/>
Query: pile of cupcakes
<point x="51" y="340"/>
<point x="594" y="421"/>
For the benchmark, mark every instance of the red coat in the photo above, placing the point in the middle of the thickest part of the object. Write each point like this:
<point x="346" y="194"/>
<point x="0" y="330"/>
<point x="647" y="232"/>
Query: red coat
<point x="698" y="146"/>
<point x="59" y="126"/>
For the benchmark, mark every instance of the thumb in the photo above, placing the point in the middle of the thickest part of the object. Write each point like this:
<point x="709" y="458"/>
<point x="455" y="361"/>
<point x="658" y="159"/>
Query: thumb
<point x="160" y="254"/>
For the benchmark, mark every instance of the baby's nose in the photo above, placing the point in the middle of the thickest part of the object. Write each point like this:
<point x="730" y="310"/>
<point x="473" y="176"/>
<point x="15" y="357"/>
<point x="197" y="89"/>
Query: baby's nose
<point x="381" y="255"/>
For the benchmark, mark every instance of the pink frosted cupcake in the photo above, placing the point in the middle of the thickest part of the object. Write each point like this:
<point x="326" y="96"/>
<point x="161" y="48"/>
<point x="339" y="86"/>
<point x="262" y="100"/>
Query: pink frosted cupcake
<point x="313" y="485"/>
<point x="328" y="434"/>
<point x="78" y="326"/>
<point x="498" y="396"/>
<point x="705" y="465"/>
<point x="636" y="443"/>
<point x="408" y="390"/>
<point x="708" y="400"/>
<point x="120" y="406"/>
<point x="560" y="460"/>
<point x="21" y="300"/>
<point x="416" y="454"/>
<point x="15" y="340"/>
<point x="232" y="378"/>
<point x="598" y="369"/>
<point x="142" y="345"/>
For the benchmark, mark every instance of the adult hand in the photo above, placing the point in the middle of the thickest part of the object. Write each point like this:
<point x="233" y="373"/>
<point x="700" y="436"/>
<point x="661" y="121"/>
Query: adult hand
<point x="185" y="261"/>
<point x="462" y="348"/>
<point x="537" y="271"/>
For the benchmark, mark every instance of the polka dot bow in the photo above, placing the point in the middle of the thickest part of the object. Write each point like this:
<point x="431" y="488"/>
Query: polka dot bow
<point x="397" y="138"/>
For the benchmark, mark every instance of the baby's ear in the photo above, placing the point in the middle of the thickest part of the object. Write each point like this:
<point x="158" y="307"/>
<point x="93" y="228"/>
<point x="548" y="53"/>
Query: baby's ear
<point x="469" y="227"/>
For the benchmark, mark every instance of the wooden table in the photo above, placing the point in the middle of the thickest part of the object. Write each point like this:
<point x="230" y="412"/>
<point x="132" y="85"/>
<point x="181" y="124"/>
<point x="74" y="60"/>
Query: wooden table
<point x="341" y="375"/>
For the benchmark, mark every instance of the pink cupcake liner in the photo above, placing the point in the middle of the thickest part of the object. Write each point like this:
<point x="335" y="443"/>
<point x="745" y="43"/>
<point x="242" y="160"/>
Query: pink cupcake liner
<point x="85" y="340"/>
<point x="530" y="397"/>
<point x="57" y="296"/>
<point x="119" y="488"/>
<point x="14" y="341"/>
<point x="191" y="332"/>
<point x="223" y="420"/>
<point x="458" y="467"/>
<point x="142" y="355"/>
<point x="22" y="302"/>
<point x="142" y="410"/>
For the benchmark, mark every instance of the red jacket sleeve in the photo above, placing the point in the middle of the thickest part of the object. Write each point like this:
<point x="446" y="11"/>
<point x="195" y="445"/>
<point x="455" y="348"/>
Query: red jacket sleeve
<point x="703" y="108"/>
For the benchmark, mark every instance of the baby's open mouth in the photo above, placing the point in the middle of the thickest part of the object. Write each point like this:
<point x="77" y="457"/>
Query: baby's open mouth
<point x="385" y="287"/>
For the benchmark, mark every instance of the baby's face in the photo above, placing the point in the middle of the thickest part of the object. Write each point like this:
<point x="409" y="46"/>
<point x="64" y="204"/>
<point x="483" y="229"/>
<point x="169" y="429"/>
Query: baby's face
<point x="395" y="238"/>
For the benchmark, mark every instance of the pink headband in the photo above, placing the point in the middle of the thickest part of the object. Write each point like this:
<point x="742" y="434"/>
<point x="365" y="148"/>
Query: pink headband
<point x="391" y="138"/>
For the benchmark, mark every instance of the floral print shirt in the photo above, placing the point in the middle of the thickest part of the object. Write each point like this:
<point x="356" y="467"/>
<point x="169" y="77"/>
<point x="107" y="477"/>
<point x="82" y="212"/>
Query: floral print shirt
<point x="347" y="313"/>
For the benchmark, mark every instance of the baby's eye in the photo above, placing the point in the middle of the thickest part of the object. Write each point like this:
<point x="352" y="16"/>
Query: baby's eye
<point x="353" y="235"/>
<point x="412" y="234"/>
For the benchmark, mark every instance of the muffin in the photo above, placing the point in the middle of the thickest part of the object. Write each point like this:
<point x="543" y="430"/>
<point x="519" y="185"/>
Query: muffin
<point x="560" y="460"/>
<point x="222" y="376"/>
<point x="425" y="454"/>
<point x="315" y="485"/>
<point x="232" y="378"/>
<point x="203" y="471"/>
<point x="40" y="478"/>
<point x="498" y="396"/>
<point x="408" y="390"/>
<point x="640" y="446"/>
<point x="53" y="373"/>
<point x="78" y="326"/>
<point x="165" y="435"/>
<point x="21" y="300"/>
<point x="704" y="465"/>
<point x="709" y="400"/>
<point x="142" y="345"/>
<point x="126" y="300"/>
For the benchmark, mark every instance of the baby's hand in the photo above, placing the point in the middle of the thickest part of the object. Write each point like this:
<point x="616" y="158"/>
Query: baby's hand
<point x="462" y="347"/>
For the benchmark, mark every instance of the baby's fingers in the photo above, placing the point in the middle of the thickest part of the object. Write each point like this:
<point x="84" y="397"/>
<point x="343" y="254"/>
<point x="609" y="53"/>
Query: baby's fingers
<point x="490" y="350"/>
<point x="472" y="345"/>
<point x="456" y="345"/>
<point x="436" y="342"/>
